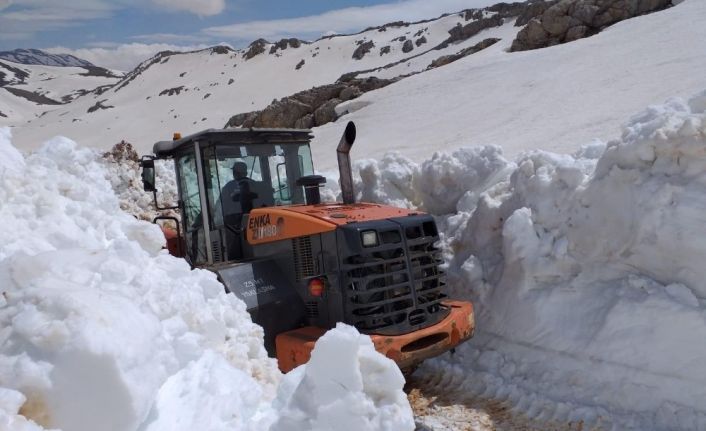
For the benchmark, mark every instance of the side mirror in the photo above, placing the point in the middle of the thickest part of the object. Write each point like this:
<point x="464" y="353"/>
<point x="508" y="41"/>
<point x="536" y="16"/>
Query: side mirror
<point x="148" y="181"/>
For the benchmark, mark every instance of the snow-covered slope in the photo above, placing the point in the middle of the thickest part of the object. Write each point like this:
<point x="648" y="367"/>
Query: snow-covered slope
<point x="554" y="98"/>
<point x="39" y="57"/>
<point x="187" y="92"/>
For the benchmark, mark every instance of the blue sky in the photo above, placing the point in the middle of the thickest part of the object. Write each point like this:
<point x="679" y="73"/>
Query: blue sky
<point x="123" y="32"/>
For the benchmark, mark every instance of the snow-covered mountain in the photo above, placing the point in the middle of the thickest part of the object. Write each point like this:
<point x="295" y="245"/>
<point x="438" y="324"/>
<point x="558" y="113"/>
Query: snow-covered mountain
<point x="28" y="91"/>
<point x="39" y="57"/>
<point x="203" y="89"/>
<point x="192" y="91"/>
<point x="187" y="92"/>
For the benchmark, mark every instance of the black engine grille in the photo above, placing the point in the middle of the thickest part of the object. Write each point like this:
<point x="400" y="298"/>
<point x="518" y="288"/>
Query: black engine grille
<point x="396" y="287"/>
<point x="303" y="258"/>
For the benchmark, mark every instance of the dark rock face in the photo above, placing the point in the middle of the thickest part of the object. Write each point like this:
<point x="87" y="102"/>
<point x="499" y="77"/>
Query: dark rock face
<point x="300" y="65"/>
<point x="473" y="14"/>
<point x="326" y="113"/>
<point x="350" y="93"/>
<point x="534" y="10"/>
<point x="569" y="20"/>
<point x="239" y="119"/>
<point x="98" y="71"/>
<point x="421" y="41"/>
<point x="282" y="113"/>
<point x="310" y="108"/>
<point x="171" y="91"/>
<point x="363" y="48"/>
<point x="256" y="48"/>
<point x="285" y="43"/>
<point x="306" y="122"/>
<point x="517" y="9"/>
<point x="37" y="98"/>
<point x="221" y="50"/>
<point x="463" y="32"/>
<point x="408" y="46"/>
<point x="385" y="50"/>
<point x="446" y="59"/>
<point x="99" y="105"/>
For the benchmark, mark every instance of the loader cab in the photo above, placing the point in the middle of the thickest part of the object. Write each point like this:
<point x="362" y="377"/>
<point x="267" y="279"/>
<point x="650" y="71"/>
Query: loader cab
<point x="222" y="175"/>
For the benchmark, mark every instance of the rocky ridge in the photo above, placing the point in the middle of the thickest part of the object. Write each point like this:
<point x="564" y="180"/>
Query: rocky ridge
<point x="309" y="108"/>
<point x="39" y="57"/>
<point x="564" y="21"/>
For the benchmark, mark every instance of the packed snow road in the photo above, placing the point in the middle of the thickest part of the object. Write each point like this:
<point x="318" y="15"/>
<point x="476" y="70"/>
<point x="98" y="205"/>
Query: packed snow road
<point x="441" y="402"/>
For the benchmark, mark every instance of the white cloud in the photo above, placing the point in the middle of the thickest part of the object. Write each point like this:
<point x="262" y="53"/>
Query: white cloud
<point x="198" y="7"/>
<point x="23" y="18"/>
<point x="169" y="38"/>
<point x="346" y="20"/>
<point x="121" y="57"/>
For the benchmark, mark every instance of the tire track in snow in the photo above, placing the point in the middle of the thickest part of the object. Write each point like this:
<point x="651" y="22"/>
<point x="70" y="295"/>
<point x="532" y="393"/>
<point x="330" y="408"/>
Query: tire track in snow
<point x="442" y="401"/>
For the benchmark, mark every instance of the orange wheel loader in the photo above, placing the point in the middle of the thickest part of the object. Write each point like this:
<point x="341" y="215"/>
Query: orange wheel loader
<point x="250" y="211"/>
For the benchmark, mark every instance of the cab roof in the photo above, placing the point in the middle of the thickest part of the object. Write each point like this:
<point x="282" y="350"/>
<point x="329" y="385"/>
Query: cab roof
<point x="235" y="136"/>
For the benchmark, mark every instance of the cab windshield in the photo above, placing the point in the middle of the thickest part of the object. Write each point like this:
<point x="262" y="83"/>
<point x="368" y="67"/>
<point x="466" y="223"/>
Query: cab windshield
<point x="237" y="179"/>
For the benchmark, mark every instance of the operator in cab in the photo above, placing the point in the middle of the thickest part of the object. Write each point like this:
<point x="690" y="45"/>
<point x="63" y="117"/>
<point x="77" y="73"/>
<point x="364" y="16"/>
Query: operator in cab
<point x="237" y="196"/>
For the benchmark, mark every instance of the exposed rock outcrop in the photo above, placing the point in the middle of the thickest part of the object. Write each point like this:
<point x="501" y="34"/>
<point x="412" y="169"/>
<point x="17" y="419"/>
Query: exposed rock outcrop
<point x="310" y="108"/>
<point x="408" y="46"/>
<point x="172" y="91"/>
<point x="286" y="43"/>
<point x="364" y="47"/>
<point x="569" y="20"/>
<point x="32" y="96"/>
<point x="534" y="10"/>
<point x="255" y="48"/>
<point x="221" y="50"/>
<point x="464" y="32"/>
<point x="446" y="59"/>
<point x="99" y="105"/>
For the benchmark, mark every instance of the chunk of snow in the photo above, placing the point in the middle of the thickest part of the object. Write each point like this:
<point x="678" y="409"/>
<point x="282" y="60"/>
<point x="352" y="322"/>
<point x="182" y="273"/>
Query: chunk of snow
<point x="346" y="385"/>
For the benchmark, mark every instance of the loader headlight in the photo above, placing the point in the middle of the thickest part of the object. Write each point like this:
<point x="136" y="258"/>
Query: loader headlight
<point x="369" y="238"/>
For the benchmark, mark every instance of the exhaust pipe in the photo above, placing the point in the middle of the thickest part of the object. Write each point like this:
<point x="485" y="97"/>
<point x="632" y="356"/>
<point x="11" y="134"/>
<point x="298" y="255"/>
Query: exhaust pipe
<point x="344" y="164"/>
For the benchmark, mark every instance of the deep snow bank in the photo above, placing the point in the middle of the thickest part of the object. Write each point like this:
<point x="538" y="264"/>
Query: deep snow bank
<point x="101" y="329"/>
<point x="587" y="271"/>
<point x="95" y="317"/>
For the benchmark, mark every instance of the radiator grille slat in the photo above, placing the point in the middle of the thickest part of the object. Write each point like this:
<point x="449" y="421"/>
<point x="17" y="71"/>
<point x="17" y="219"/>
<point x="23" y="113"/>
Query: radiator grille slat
<point x="304" y="266"/>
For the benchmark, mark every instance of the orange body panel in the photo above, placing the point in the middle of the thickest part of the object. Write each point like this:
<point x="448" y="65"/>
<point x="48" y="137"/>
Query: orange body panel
<point x="278" y="223"/>
<point x="174" y="242"/>
<point x="294" y="347"/>
<point x="340" y="214"/>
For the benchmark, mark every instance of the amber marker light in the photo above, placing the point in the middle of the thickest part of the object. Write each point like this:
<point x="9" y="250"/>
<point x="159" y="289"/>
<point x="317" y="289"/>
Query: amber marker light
<point x="316" y="287"/>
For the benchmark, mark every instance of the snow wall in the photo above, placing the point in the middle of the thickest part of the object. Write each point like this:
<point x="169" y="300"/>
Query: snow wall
<point x="101" y="329"/>
<point x="587" y="270"/>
